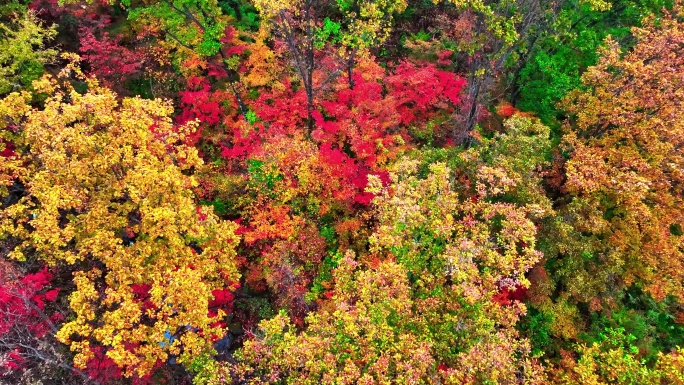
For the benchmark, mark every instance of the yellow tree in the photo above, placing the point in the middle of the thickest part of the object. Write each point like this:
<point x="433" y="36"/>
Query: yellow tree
<point x="361" y="336"/>
<point x="614" y="360"/>
<point x="365" y="25"/>
<point x="463" y="254"/>
<point x="105" y="188"/>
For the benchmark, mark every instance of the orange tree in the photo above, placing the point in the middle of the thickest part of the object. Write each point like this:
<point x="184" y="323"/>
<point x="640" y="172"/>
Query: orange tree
<point x="623" y="222"/>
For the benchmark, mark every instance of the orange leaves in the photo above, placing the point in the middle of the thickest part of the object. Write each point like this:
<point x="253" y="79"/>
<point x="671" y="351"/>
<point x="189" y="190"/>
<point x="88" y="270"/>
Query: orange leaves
<point x="626" y="160"/>
<point x="506" y="110"/>
<point x="261" y="66"/>
<point x="271" y="222"/>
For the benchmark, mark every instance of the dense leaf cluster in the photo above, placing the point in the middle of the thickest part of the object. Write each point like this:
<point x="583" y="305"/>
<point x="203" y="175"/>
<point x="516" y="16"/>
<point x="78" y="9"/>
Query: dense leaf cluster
<point x="341" y="192"/>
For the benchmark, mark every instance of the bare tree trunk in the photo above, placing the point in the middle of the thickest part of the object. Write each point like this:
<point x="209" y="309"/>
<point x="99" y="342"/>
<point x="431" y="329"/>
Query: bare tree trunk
<point x="488" y="62"/>
<point x="44" y="352"/>
<point x="302" y="53"/>
<point x="351" y="61"/>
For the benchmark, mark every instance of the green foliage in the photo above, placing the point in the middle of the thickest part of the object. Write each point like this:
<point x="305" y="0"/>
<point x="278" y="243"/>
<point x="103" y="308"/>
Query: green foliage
<point x="23" y="53"/>
<point x="328" y="232"/>
<point x="259" y="306"/>
<point x="261" y="176"/>
<point x="422" y="36"/>
<point x="203" y="367"/>
<point x="324" y="279"/>
<point x="536" y="325"/>
<point x="194" y="24"/>
<point x="245" y="15"/>
<point x="330" y="32"/>
<point x="613" y="359"/>
<point x="562" y="54"/>
<point x="652" y="323"/>
<point x="11" y="8"/>
<point x="546" y="79"/>
<point x="141" y="87"/>
<point x="251" y="117"/>
<point x="221" y="208"/>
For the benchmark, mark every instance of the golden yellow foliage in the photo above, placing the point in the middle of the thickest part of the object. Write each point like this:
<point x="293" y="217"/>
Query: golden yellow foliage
<point x="358" y="338"/>
<point x="614" y="360"/>
<point x="107" y="188"/>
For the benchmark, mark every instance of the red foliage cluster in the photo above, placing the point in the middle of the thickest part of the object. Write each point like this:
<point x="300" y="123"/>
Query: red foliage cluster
<point x="202" y="103"/>
<point x="231" y="45"/>
<point x="223" y="300"/>
<point x="508" y="295"/>
<point x="8" y="149"/>
<point x="104" y="370"/>
<point x="198" y="102"/>
<point x="23" y="303"/>
<point x="93" y="13"/>
<point x="108" y="58"/>
<point x="365" y="118"/>
<point x="101" y="367"/>
<point x="422" y="90"/>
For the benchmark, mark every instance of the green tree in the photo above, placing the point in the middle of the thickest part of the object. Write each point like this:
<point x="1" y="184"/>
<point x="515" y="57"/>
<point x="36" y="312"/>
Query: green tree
<point x="22" y="51"/>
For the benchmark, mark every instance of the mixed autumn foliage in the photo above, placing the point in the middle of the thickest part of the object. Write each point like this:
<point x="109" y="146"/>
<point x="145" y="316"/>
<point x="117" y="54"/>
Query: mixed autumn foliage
<point x="341" y="192"/>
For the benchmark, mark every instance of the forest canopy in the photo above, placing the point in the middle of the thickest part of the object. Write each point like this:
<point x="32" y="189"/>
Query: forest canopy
<point x="341" y="192"/>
